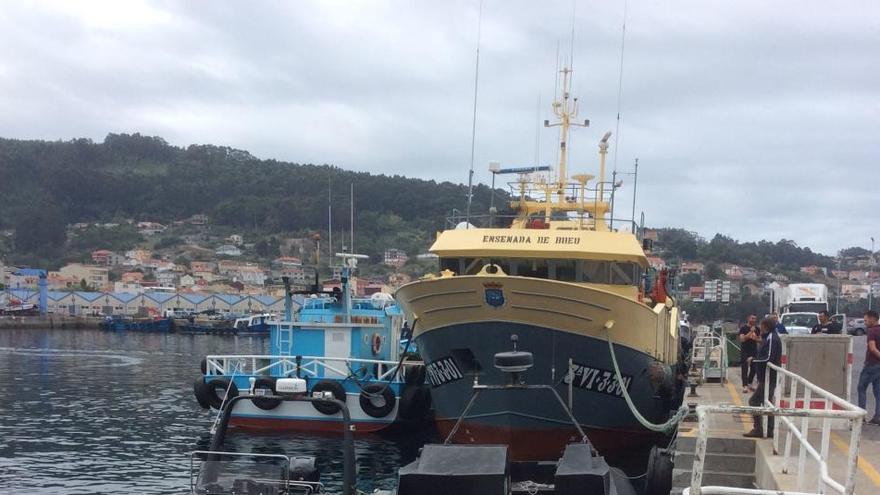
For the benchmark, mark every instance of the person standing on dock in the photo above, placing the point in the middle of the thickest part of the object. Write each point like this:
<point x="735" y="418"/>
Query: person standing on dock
<point x="748" y="338"/>
<point x="770" y="352"/>
<point x="780" y="328"/>
<point x="870" y="375"/>
<point x="826" y="325"/>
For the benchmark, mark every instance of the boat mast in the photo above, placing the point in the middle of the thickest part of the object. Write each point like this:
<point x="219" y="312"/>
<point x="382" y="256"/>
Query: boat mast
<point x="565" y="110"/>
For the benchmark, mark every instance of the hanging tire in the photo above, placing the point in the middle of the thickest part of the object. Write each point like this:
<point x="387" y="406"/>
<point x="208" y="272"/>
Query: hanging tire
<point x="200" y="389"/>
<point x="328" y="386"/>
<point x="658" y="479"/>
<point x="377" y="400"/>
<point x="264" y="403"/>
<point x="415" y="401"/>
<point x="217" y="390"/>
<point x="203" y="366"/>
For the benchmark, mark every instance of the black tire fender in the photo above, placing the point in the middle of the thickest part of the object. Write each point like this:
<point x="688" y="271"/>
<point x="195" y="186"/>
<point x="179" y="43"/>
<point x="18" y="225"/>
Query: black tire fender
<point x="328" y="386"/>
<point x="203" y="366"/>
<point x="264" y="403"/>
<point x="413" y="375"/>
<point x="377" y="400"/>
<point x="217" y="390"/>
<point x="658" y="479"/>
<point x="200" y="390"/>
<point x="415" y="401"/>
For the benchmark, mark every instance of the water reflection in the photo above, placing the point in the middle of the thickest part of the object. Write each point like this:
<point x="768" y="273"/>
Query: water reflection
<point x="100" y="412"/>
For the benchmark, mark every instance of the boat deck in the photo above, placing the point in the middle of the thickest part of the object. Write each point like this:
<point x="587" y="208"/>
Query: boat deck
<point x="768" y="467"/>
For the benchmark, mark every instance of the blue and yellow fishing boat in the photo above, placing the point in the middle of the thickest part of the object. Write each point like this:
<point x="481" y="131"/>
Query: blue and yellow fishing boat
<point x="573" y="292"/>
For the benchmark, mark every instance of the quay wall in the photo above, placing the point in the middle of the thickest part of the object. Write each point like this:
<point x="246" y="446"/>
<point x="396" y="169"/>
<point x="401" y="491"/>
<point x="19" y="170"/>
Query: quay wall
<point x="50" y="321"/>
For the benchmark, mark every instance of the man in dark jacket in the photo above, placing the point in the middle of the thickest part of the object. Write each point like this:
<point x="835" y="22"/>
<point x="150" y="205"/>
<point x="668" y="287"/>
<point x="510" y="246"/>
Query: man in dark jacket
<point x="826" y="325"/>
<point x="769" y="352"/>
<point x="749" y="338"/>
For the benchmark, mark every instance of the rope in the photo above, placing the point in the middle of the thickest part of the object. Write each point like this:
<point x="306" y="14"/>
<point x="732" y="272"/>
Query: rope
<point x="662" y="427"/>
<point x="397" y="371"/>
<point x="225" y="396"/>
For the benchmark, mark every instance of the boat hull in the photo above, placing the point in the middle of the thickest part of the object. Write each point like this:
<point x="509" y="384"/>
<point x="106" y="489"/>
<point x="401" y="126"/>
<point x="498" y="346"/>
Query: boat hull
<point x="302" y="416"/>
<point x="533" y="422"/>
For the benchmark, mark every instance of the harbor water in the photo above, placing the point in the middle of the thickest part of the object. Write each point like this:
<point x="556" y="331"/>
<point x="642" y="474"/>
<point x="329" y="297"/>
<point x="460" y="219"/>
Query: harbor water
<point x="87" y="411"/>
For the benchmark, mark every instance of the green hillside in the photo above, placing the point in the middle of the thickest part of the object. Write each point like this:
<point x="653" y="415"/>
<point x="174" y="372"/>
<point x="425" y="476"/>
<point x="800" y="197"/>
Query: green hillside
<point x="46" y="185"/>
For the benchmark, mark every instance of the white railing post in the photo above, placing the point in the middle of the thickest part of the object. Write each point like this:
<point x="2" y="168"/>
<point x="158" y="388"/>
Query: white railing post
<point x="805" y="432"/>
<point x="852" y="463"/>
<point x="826" y="437"/>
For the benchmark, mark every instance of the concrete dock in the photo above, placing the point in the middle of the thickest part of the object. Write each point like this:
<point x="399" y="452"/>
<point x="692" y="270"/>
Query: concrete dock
<point x="726" y="433"/>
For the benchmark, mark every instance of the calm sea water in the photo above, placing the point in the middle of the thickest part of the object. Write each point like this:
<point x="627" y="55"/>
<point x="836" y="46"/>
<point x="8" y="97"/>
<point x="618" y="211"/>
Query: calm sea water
<point x="86" y="411"/>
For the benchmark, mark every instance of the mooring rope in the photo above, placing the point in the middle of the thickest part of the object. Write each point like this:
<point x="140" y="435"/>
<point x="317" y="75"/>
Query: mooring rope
<point x="225" y="397"/>
<point x="662" y="427"/>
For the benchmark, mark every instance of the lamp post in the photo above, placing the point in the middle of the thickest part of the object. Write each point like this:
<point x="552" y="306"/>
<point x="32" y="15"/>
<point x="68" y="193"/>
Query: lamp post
<point x="870" y="270"/>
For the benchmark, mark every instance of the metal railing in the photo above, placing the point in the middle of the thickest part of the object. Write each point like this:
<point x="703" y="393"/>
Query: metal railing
<point x="703" y="347"/>
<point x="847" y="411"/>
<point x="304" y="366"/>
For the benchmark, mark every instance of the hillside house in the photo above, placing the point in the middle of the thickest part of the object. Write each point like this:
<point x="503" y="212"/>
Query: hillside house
<point x="106" y="257"/>
<point x="228" y="250"/>
<point x="95" y="276"/>
<point x="150" y="228"/>
<point x="694" y="267"/>
<point x="394" y="257"/>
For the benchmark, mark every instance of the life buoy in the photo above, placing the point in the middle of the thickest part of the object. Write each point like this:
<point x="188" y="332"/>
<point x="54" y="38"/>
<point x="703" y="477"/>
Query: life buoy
<point x="265" y="403"/>
<point x="377" y="400"/>
<point x="328" y="386"/>
<point x="217" y="391"/>
<point x="200" y="390"/>
<point x="377" y="344"/>
<point x="415" y="401"/>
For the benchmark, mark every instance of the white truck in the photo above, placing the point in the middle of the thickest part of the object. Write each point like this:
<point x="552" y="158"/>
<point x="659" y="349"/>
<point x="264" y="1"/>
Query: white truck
<point x="799" y="305"/>
<point x="801" y="298"/>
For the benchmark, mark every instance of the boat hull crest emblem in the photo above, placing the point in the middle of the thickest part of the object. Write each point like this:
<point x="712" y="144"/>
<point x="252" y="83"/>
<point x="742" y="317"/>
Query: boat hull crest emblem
<point x="494" y="294"/>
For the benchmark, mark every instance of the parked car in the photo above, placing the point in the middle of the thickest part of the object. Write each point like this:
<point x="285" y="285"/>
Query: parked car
<point x="855" y="326"/>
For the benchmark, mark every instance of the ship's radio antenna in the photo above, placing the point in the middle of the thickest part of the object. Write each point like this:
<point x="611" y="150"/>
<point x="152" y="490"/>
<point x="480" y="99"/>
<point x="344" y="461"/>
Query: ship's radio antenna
<point x="474" y="121"/>
<point x="620" y="85"/>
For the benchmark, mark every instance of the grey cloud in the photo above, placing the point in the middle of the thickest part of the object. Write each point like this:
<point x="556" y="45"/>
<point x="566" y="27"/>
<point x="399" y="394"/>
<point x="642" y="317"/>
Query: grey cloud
<point x="750" y="118"/>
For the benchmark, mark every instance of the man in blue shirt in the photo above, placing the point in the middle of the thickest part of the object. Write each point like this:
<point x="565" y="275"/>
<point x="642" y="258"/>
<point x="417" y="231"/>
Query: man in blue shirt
<point x="769" y="352"/>
<point x="780" y="328"/>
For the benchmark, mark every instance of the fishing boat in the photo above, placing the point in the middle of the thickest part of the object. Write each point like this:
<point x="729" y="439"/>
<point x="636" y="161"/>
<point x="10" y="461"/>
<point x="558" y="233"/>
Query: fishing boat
<point x="574" y="291"/>
<point x="120" y="323"/>
<point x="340" y="344"/>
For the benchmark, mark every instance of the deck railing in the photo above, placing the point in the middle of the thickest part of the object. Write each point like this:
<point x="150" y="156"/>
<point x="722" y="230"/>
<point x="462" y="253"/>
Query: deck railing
<point x="304" y="366"/>
<point x="845" y="411"/>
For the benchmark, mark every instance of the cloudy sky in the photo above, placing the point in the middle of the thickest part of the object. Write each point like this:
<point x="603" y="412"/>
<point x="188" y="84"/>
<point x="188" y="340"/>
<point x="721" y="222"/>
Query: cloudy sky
<point x="756" y="119"/>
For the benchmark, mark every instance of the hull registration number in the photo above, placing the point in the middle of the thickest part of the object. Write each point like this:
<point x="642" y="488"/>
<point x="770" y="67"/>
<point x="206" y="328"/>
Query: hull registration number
<point x="597" y="380"/>
<point x="443" y="371"/>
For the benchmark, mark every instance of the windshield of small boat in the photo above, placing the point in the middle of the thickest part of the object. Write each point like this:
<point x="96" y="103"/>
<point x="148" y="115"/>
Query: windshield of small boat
<point x="566" y="270"/>
<point x="800" y="320"/>
<point x="232" y="474"/>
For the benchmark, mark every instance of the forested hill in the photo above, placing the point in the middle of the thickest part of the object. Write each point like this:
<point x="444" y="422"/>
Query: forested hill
<point x="144" y="178"/>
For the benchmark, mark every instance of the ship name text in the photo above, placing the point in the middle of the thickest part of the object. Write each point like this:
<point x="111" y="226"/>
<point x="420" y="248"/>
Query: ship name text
<point x="527" y="239"/>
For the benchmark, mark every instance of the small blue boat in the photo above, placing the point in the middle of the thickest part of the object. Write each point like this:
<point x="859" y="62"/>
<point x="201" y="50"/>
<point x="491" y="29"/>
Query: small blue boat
<point x="343" y="346"/>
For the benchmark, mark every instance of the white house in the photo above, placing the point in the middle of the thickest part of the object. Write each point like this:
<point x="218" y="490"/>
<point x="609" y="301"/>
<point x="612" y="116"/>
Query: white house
<point x="228" y="250"/>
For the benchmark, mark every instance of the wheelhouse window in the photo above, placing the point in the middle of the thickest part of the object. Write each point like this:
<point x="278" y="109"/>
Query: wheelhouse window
<point x="566" y="270"/>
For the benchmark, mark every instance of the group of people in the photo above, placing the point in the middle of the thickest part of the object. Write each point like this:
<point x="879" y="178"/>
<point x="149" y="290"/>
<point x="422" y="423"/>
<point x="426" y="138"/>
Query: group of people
<point x="760" y="344"/>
